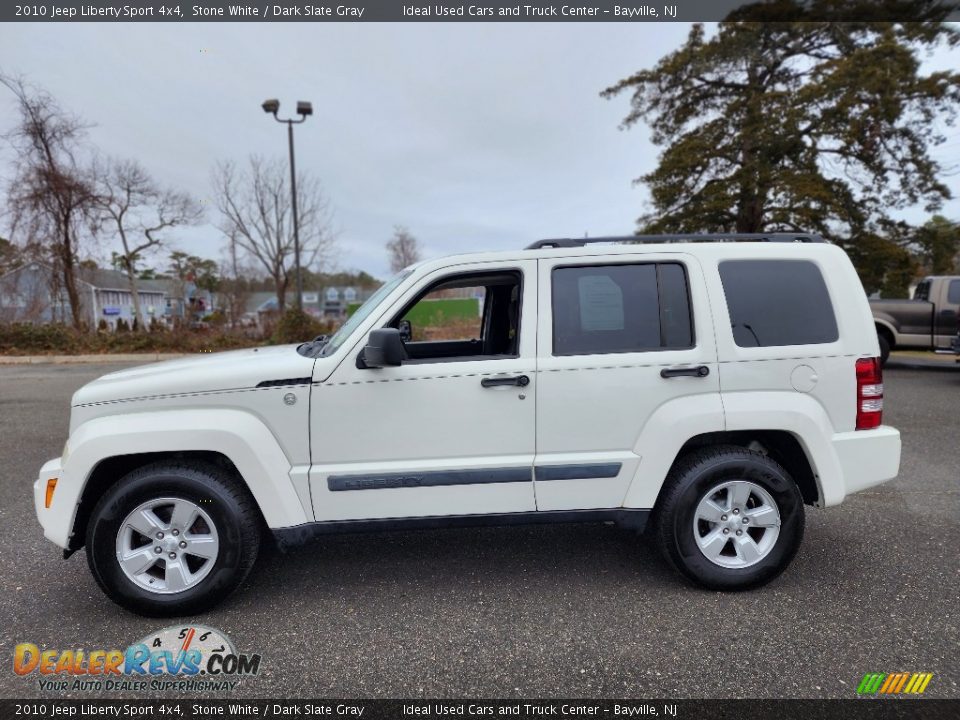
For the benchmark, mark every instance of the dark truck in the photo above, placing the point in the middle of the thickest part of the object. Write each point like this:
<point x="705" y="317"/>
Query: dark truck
<point x="927" y="322"/>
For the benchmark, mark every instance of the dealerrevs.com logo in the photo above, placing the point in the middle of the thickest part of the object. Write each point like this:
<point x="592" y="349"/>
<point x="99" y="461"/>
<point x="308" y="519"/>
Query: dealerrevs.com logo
<point x="176" y="658"/>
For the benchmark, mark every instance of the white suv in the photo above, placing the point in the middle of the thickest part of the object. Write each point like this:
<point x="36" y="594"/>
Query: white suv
<point x="711" y="384"/>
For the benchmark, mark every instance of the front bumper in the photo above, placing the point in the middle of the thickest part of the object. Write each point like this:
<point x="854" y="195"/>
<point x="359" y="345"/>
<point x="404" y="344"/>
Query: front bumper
<point x="57" y="519"/>
<point x="867" y="458"/>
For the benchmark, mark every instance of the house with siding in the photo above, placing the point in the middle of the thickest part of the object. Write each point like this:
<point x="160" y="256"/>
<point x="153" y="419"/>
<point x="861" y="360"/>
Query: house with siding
<point x="334" y="303"/>
<point x="32" y="293"/>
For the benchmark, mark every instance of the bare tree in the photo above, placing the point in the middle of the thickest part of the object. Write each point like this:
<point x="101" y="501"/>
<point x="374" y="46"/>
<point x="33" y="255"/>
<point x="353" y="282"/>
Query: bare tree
<point x="50" y="195"/>
<point x="140" y="211"/>
<point x="403" y="249"/>
<point x="255" y="203"/>
<point x="234" y="283"/>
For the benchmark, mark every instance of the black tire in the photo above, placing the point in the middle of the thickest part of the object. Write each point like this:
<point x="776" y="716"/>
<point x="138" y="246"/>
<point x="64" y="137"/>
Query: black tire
<point x="225" y="500"/>
<point x="884" y="347"/>
<point x="690" y="480"/>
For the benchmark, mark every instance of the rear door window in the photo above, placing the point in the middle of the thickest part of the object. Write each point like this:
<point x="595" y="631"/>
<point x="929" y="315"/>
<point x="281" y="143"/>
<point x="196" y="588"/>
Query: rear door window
<point x="777" y="302"/>
<point x="620" y="308"/>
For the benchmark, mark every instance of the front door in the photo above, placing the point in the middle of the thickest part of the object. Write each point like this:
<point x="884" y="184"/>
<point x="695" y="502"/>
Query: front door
<point x="448" y="432"/>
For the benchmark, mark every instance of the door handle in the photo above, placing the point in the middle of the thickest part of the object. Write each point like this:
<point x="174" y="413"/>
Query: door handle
<point x="699" y="371"/>
<point x="519" y="380"/>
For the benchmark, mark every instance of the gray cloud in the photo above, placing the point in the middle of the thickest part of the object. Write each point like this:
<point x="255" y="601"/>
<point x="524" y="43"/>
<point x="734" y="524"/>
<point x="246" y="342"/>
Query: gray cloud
<point x="475" y="136"/>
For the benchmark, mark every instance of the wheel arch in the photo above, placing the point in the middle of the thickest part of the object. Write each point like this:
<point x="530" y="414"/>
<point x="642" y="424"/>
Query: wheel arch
<point x="886" y="328"/>
<point x="231" y="439"/>
<point x="109" y="470"/>
<point x="781" y="446"/>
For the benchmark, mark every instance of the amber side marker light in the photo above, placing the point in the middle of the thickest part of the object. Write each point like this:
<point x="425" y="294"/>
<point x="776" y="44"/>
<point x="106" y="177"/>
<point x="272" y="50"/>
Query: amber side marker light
<point x="51" y="486"/>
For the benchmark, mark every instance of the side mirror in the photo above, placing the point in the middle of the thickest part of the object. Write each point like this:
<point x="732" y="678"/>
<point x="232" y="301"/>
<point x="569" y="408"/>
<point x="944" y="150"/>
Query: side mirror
<point x="406" y="330"/>
<point x="384" y="347"/>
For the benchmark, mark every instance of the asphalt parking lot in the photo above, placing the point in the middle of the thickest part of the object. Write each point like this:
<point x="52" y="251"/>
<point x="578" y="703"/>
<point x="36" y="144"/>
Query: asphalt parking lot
<point x="549" y="611"/>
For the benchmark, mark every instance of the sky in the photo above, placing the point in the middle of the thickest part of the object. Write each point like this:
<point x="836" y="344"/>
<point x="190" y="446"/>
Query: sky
<point x="473" y="136"/>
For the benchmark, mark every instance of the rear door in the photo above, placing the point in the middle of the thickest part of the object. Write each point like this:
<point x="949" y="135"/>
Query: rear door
<point x="619" y="337"/>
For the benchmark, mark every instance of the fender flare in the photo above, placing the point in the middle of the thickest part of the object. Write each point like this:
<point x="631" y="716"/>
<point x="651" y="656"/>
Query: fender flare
<point x="804" y="418"/>
<point x="676" y="422"/>
<point x="238" y="435"/>
<point x="887" y="324"/>
<point x="663" y="436"/>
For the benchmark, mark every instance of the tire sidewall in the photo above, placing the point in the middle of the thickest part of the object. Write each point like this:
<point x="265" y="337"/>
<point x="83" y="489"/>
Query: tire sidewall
<point x="884" y="348"/>
<point x="782" y="489"/>
<point x="131" y="492"/>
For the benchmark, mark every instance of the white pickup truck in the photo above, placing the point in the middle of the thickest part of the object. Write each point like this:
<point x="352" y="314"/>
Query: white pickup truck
<point x="713" y="385"/>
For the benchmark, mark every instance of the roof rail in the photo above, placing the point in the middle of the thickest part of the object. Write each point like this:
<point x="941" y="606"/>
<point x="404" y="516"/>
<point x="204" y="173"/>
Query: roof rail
<point x="682" y="237"/>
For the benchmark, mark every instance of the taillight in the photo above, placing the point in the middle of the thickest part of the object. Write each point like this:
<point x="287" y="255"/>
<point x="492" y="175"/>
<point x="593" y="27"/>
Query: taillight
<point x="869" y="393"/>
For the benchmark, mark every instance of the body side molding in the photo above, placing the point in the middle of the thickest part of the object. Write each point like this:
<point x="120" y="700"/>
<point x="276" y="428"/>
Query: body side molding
<point x="382" y="481"/>
<point x="577" y="472"/>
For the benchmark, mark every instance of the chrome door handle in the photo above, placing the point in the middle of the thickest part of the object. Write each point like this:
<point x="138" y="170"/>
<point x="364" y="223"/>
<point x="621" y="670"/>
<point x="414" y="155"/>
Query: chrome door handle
<point x="699" y="371"/>
<point x="519" y="380"/>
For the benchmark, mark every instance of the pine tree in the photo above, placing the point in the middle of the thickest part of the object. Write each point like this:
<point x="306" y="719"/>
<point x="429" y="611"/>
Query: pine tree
<point x="775" y="124"/>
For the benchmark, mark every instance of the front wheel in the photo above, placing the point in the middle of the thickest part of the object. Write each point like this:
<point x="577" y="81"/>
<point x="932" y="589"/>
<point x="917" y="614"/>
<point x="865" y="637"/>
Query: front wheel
<point x="173" y="539"/>
<point x="729" y="518"/>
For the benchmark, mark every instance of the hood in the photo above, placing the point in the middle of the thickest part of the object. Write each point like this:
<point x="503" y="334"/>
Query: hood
<point x="234" y="370"/>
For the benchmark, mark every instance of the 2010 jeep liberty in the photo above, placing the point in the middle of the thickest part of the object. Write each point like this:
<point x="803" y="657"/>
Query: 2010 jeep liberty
<point x="713" y="385"/>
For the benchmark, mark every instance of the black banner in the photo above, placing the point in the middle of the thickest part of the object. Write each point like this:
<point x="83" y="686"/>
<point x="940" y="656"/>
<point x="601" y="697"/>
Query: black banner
<point x="200" y="709"/>
<point x="480" y="11"/>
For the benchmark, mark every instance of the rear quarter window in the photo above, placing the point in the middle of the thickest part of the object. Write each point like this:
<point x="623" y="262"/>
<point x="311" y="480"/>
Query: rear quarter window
<point x="953" y="292"/>
<point x="777" y="302"/>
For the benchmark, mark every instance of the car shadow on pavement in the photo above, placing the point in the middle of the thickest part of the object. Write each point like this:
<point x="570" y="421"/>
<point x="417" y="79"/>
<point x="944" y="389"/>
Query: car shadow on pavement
<point x="429" y="559"/>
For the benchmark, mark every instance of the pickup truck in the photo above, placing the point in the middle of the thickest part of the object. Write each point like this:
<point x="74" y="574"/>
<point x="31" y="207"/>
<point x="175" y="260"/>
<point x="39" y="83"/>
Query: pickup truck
<point x="927" y="322"/>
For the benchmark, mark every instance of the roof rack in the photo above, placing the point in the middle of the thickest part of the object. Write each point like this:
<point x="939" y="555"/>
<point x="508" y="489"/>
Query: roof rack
<point x="683" y="237"/>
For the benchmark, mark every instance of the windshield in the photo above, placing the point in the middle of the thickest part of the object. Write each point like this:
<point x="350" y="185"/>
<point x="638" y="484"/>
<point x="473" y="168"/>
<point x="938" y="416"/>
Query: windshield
<point x="346" y="330"/>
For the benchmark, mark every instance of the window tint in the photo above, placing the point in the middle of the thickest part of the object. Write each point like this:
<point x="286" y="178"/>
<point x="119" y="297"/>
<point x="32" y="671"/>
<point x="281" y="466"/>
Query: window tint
<point x="675" y="324"/>
<point x="777" y="302"/>
<point x="953" y="292"/>
<point x="617" y="308"/>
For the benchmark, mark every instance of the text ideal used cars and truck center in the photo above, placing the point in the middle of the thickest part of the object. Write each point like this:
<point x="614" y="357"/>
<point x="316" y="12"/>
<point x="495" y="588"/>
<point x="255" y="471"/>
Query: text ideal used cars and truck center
<point x="714" y="386"/>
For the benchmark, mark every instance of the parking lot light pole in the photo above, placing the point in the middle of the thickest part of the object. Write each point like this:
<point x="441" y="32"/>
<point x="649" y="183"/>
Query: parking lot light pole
<point x="303" y="110"/>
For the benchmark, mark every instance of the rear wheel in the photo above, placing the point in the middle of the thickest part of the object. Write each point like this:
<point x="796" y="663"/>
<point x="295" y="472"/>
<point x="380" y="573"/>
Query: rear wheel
<point x="729" y="518"/>
<point x="173" y="539"/>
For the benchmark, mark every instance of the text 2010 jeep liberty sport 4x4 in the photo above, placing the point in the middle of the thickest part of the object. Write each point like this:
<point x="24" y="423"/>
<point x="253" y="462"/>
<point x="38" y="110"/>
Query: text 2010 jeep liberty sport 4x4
<point x="713" y="384"/>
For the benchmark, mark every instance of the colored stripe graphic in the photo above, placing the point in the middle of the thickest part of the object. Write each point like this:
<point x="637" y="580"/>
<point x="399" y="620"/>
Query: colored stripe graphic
<point x="894" y="683"/>
<point x="870" y="683"/>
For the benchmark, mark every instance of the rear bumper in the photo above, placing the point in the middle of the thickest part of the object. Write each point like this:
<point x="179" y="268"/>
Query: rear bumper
<point x="866" y="458"/>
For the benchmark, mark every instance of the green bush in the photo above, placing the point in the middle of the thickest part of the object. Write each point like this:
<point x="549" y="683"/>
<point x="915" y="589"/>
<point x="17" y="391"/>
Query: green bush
<point x="296" y="326"/>
<point x="58" y="339"/>
<point x="43" y="338"/>
<point x="216" y="318"/>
